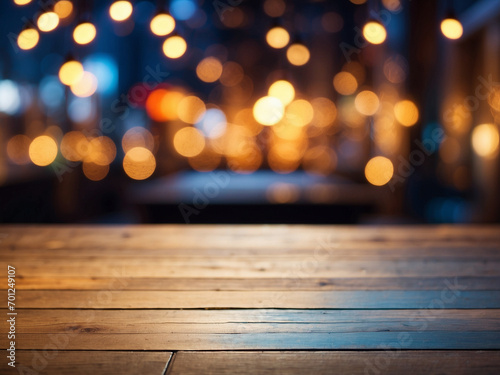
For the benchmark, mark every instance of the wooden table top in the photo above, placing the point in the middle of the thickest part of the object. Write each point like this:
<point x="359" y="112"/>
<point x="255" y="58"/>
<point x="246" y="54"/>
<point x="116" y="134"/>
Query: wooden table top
<point x="215" y="299"/>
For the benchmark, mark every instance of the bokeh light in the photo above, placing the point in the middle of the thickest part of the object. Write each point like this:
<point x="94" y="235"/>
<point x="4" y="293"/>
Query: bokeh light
<point x="63" y="9"/>
<point x="43" y="150"/>
<point x="18" y="149"/>
<point x="138" y="137"/>
<point x="139" y="163"/>
<point x="81" y="110"/>
<point x="379" y="171"/>
<point x="85" y="86"/>
<point x="298" y="54"/>
<point x="325" y="112"/>
<point x="268" y="110"/>
<point x="277" y="37"/>
<point x="70" y="72"/>
<point x="283" y="90"/>
<point x="345" y="83"/>
<point x="367" y="103"/>
<point x="232" y="74"/>
<point x="162" y="105"/>
<point x="374" y="32"/>
<point x="28" y="38"/>
<point x="22" y="2"/>
<point x="74" y="146"/>
<point x="162" y="24"/>
<point x="174" y="47"/>
<point x="213" y="123"/>
<point x="209" y="69"/>
<point x="281" y="193"/>
<point x="392" y="5"/>
<point x="190" y="109"/>
<point x="183" y="9"/>
<point x="299" y="113"/>
<point x="396" y="69"/>
<point x="120" y="10"/>
<point x="84" y="33"/>
<point x="206" y="161"/>
<point x="319" y="160"/>
<point x="485" y="140"/>
<point x="406" y="112"/>
<point x="11" y="97"/>
<point x="451" y="28"/>
<point x="94" y="172"/>
<point x="189" y="142"/>
<point x="274" y="8"/>
<point x="284" y="157"/>
<point x="102" y="151"/>
<point x="47" y="21"/>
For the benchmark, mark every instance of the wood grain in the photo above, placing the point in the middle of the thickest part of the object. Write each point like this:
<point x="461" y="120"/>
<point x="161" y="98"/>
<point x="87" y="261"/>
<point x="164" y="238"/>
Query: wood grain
<point x="328" y="363"/>
<point x="394" y="299"/>
<point x="226" y="236"/>
<point x="164" y="267"/>
<point x="253" y="321"/>
<point x="428" y="340"/>
<point x="57" y="362"/>
<point x="253" y="284"/>
<point x="120" y="299"/>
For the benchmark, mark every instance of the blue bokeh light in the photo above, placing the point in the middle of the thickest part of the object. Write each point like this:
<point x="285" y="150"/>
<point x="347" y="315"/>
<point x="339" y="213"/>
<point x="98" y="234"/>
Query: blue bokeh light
<point x="183" y="9"/>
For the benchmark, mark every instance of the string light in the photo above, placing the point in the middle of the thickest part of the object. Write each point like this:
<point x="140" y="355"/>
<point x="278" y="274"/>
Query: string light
<point x="43" y="150"/>
<point x="379" y="170"/>
<point x="485" y="140"/>
<point x="345" y="83"/>
<point x="63" y="9"/>
<point x="85" y="86"/>
<point x="139" y="163"/>
<point x="48" y="21"/>
<point x="277" y="37"/>
<point x="209" y="69"/>
<point x="22" y="2"/>
<point x="451" y="28"/>
<point x="268" y="110"/>
<point x="120" y="10"/>
<point x="374" y="32"/>
<point x="298" y="54"/>
<point x="174" y="47"/>
<point x="283" y="90"/>
<point x="189" y="142"/>
<point x="367" y="103"/>
<point x="28" y="38"/>
<point x="406" y="112"/>
<point x="162" y="24"/>
<point x="84" y="33"/>
<point x="70" y="72"/>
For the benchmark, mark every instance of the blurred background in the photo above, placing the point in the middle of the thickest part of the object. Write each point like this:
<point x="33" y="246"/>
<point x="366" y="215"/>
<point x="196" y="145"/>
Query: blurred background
<point x="239" y="111"/>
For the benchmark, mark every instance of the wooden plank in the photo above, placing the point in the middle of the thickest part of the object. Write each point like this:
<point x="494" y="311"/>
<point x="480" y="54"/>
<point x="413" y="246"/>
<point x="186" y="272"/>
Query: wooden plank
<point x="248" y="236"/>
<point x="58" y="362"/>
<point x="327" y="363"/>
<point x="257" y="329"/>
<point x="257" y="268"/>
<point x="394" y="299"/>
<point x="253" y="321"/>
<point x="322" y="250"/>
<point x="43" y="317"/>
<point x="429" y="340"/>
<point x="254" y="284"/>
